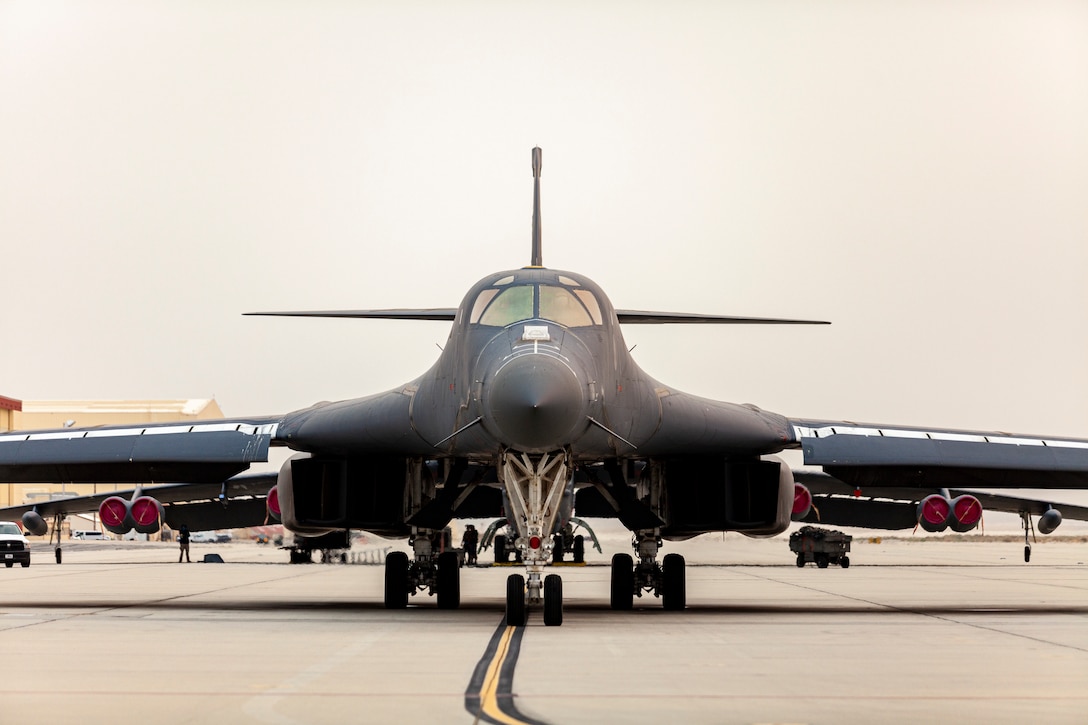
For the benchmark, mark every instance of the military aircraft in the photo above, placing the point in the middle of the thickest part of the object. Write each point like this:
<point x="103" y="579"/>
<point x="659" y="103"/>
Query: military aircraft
<point x="534" y="405"/>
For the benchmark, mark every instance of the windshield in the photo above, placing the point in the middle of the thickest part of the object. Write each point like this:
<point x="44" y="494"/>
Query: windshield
<point x="570" y="307"/>
<point x="9" y="528"/>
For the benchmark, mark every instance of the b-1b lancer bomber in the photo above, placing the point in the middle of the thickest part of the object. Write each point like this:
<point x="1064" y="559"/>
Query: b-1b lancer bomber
<point x="534" y="408"/>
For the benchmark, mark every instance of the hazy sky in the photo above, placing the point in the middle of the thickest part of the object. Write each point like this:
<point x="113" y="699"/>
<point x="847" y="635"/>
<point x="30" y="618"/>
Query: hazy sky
<point x="915" y="172"/>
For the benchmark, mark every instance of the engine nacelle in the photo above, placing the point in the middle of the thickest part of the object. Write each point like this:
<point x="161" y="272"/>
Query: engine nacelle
<point x="786" y="484"/>
<point x="802" y="501"/>
<point x="144" y="514"/>
<point x="934" y="512"/>
<point x="1049" y="521"/>
<point x="966" y="513"/>
<point x="319" y="495"/>
<point x="113" y="512"/>
<point x="35" y="524"/>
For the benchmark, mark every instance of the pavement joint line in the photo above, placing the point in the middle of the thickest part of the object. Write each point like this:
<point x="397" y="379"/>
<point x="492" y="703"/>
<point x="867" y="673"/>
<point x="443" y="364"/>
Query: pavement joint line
<point x="147" y="604"/>
<point x="931" y="615"/>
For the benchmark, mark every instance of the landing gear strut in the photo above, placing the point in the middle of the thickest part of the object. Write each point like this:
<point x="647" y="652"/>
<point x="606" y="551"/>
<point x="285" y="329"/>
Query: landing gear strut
<point x="666" y="580"/>
<point x="58" y="519"/>
<point x="439" y="573"/>
<point x="1025" y="522"/>
<point x="535" y="486"/>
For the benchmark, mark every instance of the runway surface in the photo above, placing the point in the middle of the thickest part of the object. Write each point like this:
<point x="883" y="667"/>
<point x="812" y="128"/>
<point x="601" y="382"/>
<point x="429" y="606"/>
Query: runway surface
<point x="934" y="630"/>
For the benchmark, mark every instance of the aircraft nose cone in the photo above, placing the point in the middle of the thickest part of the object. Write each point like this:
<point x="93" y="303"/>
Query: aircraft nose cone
<point x="534" y="403"/>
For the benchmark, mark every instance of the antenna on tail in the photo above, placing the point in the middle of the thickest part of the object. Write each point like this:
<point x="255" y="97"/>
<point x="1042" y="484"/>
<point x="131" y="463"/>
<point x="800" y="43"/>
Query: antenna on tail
<point x="538" y="259"/>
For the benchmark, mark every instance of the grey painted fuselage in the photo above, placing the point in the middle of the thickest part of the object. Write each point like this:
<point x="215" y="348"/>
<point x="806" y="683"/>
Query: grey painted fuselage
<point x="518" y="378"/>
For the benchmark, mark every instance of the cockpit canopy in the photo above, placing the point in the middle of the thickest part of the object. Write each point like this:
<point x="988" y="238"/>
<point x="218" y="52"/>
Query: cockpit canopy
<point x="509" y="299"/>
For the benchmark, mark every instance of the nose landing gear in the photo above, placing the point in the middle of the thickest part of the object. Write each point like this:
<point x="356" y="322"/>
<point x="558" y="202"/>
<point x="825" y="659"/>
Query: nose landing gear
<point x="534" y="487"/>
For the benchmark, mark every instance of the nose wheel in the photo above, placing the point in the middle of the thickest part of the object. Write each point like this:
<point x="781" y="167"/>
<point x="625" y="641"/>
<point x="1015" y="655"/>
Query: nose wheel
<point x="519" y="594"/>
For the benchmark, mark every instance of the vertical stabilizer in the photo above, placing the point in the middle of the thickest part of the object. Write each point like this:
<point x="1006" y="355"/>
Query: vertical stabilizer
<point x="538" y="258"/>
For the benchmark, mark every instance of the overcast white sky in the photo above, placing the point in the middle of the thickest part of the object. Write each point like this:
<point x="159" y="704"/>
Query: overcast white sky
<point x="915" y="172"/>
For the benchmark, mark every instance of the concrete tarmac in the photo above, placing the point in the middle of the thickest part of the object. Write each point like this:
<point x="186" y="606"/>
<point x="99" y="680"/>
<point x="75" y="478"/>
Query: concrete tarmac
<point x="913" y="630"/>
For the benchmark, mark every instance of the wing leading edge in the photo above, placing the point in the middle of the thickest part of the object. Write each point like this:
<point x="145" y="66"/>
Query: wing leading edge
<point x="627" y="317"/>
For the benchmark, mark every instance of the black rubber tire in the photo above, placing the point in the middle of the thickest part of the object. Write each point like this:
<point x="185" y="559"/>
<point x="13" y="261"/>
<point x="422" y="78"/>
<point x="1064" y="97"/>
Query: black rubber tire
<point x="57" y="554"/>
<point x="396" y="580"/>
<point x="25" y="564"/>
<point x="9" y="564"/>
<point x="448" y="580"/>
<point x="822" y="560"/>
<point x="845" y="562"/>
<point x="500" y="549"/>
<point x="623" y="582"/>
<point x="579" y="549"/>
<point x="674" y="590"/>
<point x="553" y="600"/>
<point x="557" y="548"/>
<point x="515" y="601"/>
<point x="1027" y="554"/>
<point x="800" y="560"/>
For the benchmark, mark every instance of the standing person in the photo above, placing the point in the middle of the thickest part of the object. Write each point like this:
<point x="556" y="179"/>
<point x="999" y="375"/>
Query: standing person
<point x="183" y="542"/>
<point x="468" y="543"/>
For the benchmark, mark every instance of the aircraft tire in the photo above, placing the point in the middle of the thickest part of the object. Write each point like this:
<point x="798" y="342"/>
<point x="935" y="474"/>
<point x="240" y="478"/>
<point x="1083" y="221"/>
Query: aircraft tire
<point x="1027" y="554"/>
<point x="396" y="580"/>
<point x="553" y="600"/>
<point x="515" y="601"/>
<point x="500" y="549"/>
<point x="557" y="548"/>
<point x="674" y="595"/>
<point x="449" y="581"/>
<point x="623" y="582"/>
<point x="579" y="549"/>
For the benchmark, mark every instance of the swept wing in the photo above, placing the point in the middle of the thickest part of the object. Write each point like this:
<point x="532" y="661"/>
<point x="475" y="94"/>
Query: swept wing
<point x="864" y="455"/>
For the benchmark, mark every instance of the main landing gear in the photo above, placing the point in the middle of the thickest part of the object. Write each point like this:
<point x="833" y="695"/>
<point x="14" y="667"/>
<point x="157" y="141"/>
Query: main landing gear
<point x="433" y="568"/>
<point x="666" y="580"/>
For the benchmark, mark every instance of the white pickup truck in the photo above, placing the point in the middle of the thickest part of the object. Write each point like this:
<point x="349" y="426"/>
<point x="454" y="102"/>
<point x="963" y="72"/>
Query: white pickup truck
<point x="13" y="545"/>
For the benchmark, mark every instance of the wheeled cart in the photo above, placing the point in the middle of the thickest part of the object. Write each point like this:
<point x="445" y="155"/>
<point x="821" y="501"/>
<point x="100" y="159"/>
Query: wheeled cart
<point x="822" y="546"/>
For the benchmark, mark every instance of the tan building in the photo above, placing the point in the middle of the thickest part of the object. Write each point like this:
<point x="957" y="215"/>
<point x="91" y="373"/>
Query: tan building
<point x="8" y="408"/>
<point x="37" y="415"/>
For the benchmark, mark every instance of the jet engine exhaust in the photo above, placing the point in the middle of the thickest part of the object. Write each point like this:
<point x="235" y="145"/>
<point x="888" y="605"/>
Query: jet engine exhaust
<point x="143" y="513"/>
<point x="933" y="513"/>
<point x="966" y="513"/>
<point x="802" y="502"/>
<point x="272" y="503"/>
<point x="961" y="514"/>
